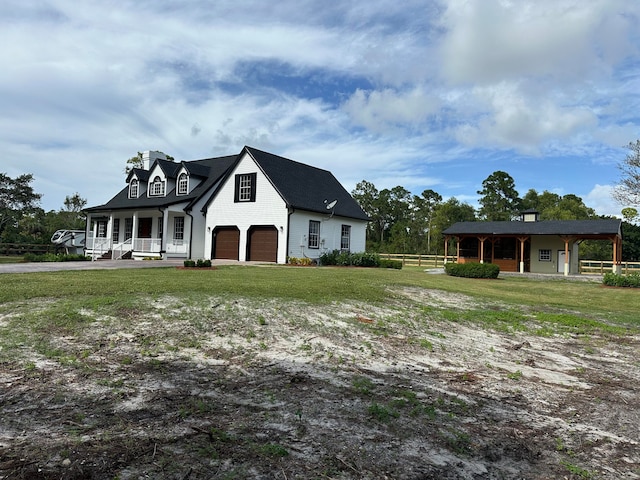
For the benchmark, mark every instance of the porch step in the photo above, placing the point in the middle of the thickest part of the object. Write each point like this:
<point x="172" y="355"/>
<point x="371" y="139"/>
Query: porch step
<point x="105" y="256"/>
<point x="127" y="256"/>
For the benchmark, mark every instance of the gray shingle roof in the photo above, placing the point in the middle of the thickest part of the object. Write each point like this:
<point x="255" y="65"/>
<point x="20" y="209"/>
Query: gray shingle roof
<point x="305" y="187"/>
<point x="545" y="227"/>
<point x="301" y="186"/>
<point x="217" y="168"/>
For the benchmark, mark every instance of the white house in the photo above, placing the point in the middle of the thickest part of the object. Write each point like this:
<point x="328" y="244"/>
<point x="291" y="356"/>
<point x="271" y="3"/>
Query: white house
<point x="251" y="206"/>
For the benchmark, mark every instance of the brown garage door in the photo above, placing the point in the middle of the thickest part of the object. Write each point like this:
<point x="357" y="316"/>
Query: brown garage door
<point x="226" y="243"/>
<point x="263" y="244"/>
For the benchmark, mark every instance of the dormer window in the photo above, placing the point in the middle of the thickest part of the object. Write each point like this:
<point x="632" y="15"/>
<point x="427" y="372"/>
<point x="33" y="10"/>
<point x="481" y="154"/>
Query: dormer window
<point x="157" y="187"/>
<point x="133" y="188"/>
<point x="183" y="184"/>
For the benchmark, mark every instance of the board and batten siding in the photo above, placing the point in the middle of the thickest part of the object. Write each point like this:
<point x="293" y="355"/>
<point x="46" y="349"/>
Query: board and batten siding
<point x="330" y="234"/>
<point x="555" y="244"/>
<point x="268" y="209"/>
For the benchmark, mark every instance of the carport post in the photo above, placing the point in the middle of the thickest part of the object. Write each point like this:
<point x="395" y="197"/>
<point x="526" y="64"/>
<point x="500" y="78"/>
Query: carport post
<point x="522" y="241"/>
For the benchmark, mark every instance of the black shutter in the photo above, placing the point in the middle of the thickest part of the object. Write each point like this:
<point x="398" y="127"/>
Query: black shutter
<point x="254" y="177"/>
<point x="236" y="194"/>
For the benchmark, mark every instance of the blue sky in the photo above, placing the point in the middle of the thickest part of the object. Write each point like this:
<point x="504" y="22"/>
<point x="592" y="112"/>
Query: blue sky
<point x="424" y="94"/>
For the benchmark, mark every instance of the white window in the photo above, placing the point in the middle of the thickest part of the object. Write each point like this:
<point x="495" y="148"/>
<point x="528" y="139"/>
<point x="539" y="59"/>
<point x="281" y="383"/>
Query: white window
<point x="102" y="228"/>
<point x="244" y="190"/>
<point x="133" y="188"/>
<point x="314" y="234"/>
<point x="178" y="230"/>
<point x="183" y="184"/>
<point x="544" y="255"/>
<point x="345" y="237"/>
<point x="128" y="228"/>
<point x="116" y="230"/>
<point x="157" y="187"/>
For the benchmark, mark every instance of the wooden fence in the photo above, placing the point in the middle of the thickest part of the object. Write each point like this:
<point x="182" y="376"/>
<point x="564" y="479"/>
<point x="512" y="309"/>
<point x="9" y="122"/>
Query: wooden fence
<point x="599" y="267"/>
<point x="419" y="260"/>
<point x="587" y="267"/>
<point x="22" y="248"/>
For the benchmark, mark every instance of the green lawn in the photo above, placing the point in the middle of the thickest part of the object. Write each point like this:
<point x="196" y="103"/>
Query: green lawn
<point x="318" y="285"/>
<point x="11" y="259"/>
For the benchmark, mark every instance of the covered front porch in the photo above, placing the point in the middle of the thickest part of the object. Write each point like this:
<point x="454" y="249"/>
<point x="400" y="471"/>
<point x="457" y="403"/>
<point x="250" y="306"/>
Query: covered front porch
<point x="143" y="234"/>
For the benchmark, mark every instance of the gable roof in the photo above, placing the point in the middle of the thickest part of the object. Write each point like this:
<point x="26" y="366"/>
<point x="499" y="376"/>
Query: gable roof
<point x="301" y="186"/>
<point x="305" y="187"/>
<point x="581" y="228"/>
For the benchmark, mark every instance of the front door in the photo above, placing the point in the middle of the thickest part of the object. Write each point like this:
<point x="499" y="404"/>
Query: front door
<point x="561" y="258"/>
<point x="144" y="227"/>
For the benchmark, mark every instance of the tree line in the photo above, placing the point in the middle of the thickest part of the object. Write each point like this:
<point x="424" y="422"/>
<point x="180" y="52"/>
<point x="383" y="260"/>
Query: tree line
<point x="400" y="222"/>
<point x="22" y="220"/>
<point x="406" y="223"/>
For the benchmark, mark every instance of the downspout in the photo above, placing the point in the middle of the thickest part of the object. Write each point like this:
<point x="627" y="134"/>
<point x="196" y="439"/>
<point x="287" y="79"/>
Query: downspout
<point x="190" y="232"/>
<point x="291" y="210"/>
<point x="86" y="233"/>
<point x="162" y="210"/>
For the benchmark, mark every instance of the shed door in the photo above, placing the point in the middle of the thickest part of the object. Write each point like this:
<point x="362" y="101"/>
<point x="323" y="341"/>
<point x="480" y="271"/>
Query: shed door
<point x="226" y="243"/>
<point x="263" y="244"/>
<point x="561" y="261"/>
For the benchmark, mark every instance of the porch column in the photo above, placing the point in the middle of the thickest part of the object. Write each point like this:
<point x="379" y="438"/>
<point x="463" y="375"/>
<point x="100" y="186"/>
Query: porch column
<point x="164" y="241"/>
<point x="481" y="246"/>
<point x="617" y="255"/>
<point x="567" y="265"/>
<point x="109" y="232"/>
<point x="457" y="249"/>
<point x="446" y="248"/>
<point x="522" y="242"/>
<point x="95" y="236"/>
<point x="134" y="231"/>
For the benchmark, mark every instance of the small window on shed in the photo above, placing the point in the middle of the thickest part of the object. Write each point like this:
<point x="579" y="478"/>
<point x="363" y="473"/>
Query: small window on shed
<point x="544" y="255"/>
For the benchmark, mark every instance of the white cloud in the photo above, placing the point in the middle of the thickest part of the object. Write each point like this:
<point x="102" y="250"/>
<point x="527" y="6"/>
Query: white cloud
<point x="399" y="89"/>
<point x="601" y="200"/>
<point x="511" y="119"/>
<point x="386" y="109"/>
<point x="492" y="40"/>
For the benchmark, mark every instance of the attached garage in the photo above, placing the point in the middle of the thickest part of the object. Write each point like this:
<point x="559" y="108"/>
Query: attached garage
<point x="263" y="244"/>
<point x="226" y="243"/>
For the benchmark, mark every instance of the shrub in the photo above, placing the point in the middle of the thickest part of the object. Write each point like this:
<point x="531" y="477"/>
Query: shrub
<point x="348" y="259"/>
<point x="615" y="280"/>
<point x="472" y="270"/>
<point x="55" y="257"/>
<point x="397" y="264"/>
<point x="189" y="263"/>
<point x="304" y="261"/>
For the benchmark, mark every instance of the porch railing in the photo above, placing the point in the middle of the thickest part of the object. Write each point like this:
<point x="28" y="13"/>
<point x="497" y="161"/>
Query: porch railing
<point x="147" y="245"/>
<point x="177" y="247"/>
<point x="121" y="249"/>
<point x="98" y="246"/>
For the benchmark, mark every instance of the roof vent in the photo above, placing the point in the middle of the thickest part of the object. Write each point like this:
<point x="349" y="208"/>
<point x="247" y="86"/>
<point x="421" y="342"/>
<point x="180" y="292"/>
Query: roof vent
<point x="531" y="215"/>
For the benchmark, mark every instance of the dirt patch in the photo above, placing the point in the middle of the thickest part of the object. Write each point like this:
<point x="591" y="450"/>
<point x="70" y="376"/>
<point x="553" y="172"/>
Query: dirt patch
<point x="239" y="388"/>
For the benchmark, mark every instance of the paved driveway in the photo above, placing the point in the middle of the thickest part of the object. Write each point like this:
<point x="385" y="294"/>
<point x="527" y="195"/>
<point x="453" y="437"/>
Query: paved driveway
<point x="101" y="265"/>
